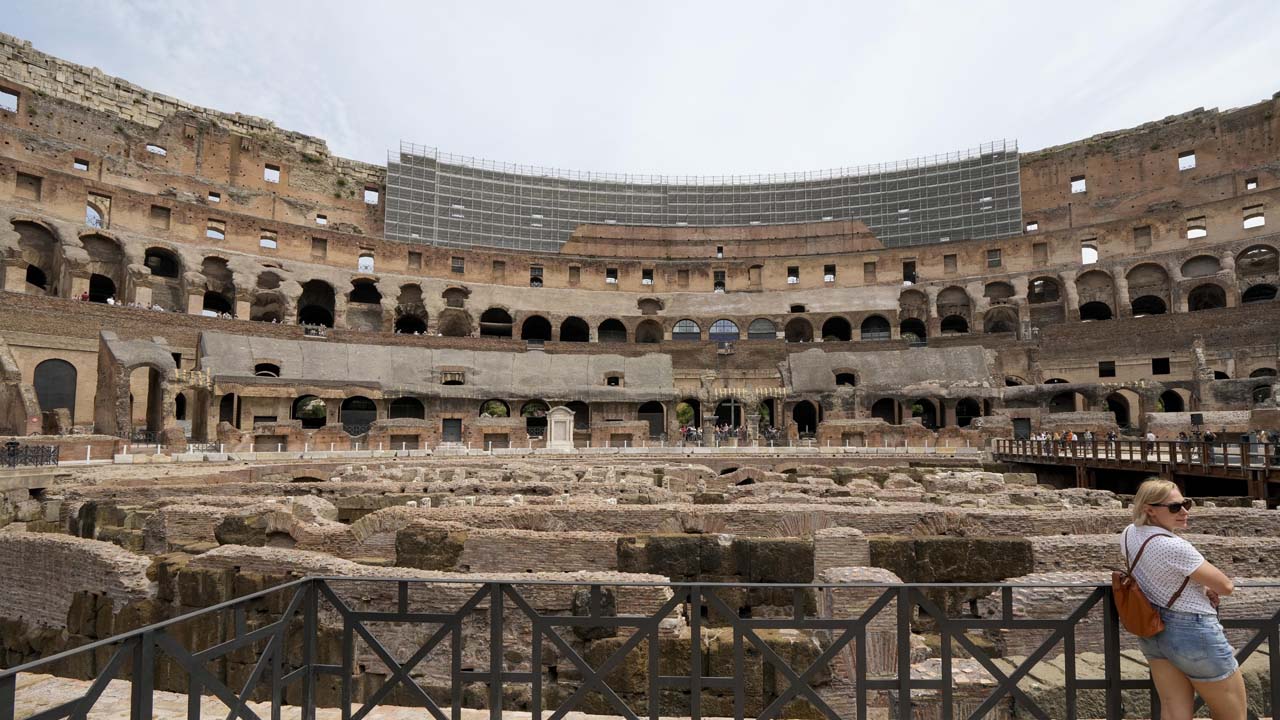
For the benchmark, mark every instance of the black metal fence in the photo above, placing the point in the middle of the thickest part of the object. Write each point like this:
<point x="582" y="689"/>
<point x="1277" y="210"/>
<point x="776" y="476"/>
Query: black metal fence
<point x="630" y="649"/>
<point x="15" y="454"/>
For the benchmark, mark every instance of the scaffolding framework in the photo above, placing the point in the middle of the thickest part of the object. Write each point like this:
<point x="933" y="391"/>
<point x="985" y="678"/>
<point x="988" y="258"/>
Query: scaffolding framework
<point x="454" y="201"/>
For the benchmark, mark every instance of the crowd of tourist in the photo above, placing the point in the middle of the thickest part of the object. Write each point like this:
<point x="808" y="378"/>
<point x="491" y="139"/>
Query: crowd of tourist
<point x="724" y="432"/>
<point x="111" y="300"/>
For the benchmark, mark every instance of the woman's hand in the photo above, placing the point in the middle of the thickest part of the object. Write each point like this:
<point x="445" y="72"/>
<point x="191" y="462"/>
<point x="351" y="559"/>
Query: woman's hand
<point x="1214" y="600"/>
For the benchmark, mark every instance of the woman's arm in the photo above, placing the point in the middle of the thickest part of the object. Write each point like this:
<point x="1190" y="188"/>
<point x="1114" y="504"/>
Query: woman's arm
<point x="1213" y="579"/>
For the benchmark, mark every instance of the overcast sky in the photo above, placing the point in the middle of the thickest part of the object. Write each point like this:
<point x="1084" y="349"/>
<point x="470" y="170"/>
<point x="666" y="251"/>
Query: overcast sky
<point x="685" y="87"/>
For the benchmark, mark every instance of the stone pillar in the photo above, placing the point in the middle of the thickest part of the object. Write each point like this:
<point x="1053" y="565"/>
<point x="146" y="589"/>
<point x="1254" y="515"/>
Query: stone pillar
<point x="15" y="275"/>
<point x="142" y="294"/>
<point x="948" y="413"/>
<point x="195" y="302"/>
<point x="243" y="302"/>
<point x="1071" y="298"/>
<point x="1121" y="287"/>
<point x="79" y="284"/>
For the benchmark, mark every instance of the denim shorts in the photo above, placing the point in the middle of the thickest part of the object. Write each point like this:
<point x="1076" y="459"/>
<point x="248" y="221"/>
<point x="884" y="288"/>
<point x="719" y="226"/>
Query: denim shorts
<point x="1194" y="643"/>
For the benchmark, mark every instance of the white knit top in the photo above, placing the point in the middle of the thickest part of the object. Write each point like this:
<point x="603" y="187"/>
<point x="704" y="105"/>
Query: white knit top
<point x="1163" y="566"/>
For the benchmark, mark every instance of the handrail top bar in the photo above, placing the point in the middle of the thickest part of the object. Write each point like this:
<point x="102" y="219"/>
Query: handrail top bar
<point x="138" y="632"/>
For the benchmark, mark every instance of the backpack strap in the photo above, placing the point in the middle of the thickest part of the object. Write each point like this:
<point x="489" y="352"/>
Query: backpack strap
<point x="1174" y="598"/>
<point x="1134" y="563"/>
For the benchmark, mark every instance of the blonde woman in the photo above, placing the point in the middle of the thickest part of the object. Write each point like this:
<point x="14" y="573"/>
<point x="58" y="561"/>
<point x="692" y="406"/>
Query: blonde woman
<point x="1191" y="655"/>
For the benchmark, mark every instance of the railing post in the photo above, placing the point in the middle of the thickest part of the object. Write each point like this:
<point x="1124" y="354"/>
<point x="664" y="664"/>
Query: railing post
<point x="142" y="677"/>
<point x="8" y="696"/>
<point x="495" y="651"/>
<point x="1111" y="654"/>
<point x="309" y="630"/>
<point x="904" y="653"/>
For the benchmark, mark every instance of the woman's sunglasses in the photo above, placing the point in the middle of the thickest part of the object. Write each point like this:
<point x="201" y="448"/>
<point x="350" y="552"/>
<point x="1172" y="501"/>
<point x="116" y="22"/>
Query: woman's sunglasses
<point x="1176" y="506"/>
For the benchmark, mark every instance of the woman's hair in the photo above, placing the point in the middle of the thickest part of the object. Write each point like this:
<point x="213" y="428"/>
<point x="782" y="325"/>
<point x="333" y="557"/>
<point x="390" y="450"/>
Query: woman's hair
<point x="1150" y="492"/>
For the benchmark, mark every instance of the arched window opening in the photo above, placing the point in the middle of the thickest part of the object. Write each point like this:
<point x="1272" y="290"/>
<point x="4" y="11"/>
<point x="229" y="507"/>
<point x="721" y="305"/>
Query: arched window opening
<point x="1219" y="375"/>
<point x="365" y="291"/>
<point x="649" y="332"/>
<point x="731" y="412"/>
<point x="495" y="323"/>
<point x="535" y="327"/>
<point x="575" y="329"/>
<point x="311" y="410"/>
<point x="55" y="386"/>
<point x="357" y="414"/>
<point x="686" y="330"/>
<point x="837" y="329"/>
<point x="954" y="325"/>
<point x="495" y="408"/>
<point x="1201" y="266"/>
<point x="966" y="410"/>
<point x="227" y="410"/>
<point x="913" y="331"/>
<point x="1258" y="260"/>
<point x="93" y="216"/>
<point x="1263" y="372"/>
<point x="846" y="379"/>
<point x="455" y="297"/>
<point x="798" y="330"/>
<point x="180" y="407"/>
<point x="1013" y="381"/>
<point x="266" y="370"/>
<point x="406" y="408"/>
<point x="1096" y="310"/>
<point x="612" y="331"/>
<point x="724" y="331"/>
<point x="1149" y="305"/>
<point x="1206" y="297"/>
<point x="365" y="263"/>
<point x="312" y="315"/>
<point x="998" y="291"/>
<point x="762" y="329"/>
<point x="1261" y="394"/>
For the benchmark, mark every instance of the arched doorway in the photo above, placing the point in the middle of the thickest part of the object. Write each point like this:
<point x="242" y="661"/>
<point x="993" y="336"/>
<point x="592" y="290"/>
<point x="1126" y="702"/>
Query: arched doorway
<point x="877" y="328"/>
<point x="686" y="330"/>
<point x="966" y="410"/>
<point x="410" y="325"/>
<point x="315" y="304"/>
<point x="724" y="331"/>
<point x="1171" y="401"/>
<point x="805" y="417"/>
<point x="575" y="329"/>
<point x="649" y="332"/>
<point x="885" y="409"/>
<point x="55" y="385"/>
<point x="762" y="329"/>
<point x="927" y="412"/>
<point x="612" y="331"/>
<point x="798" y="330"/>
<point x="913" y="330"/>
<point x="836" y="329"/>
<point x="101" y="288"/>
<point x="999" y="320"/>
<point x="1118" y="406"/>
<point x="1096" y="310"/>
<point x="731" y="412"/>
<point x="1259" y="293"/>
<point x="406" y="408"/>
<point x="653" y="413"/>
<point x="534" y="413"/>
<point x="581" y="415"/>
<point x="954" y="325"/>
<point x="215" y="305"/>
<point x="535" y="327"/>
<point x="495" y="323"/>
<point x="689" y="413"/>
<point x="311" y="410"/>
<point x="1206" y="297"/>
<point x="357" y="414"/>
<point x="228" y="412"/>
<point x="1149" y="305"/>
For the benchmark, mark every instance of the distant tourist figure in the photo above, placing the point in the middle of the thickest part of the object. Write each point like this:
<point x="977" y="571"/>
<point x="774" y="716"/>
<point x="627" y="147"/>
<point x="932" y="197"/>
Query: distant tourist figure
<point x="1191" y="655"/>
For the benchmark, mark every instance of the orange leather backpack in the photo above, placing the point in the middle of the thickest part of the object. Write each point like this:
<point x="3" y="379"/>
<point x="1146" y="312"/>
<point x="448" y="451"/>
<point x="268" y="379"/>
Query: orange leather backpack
<point x="1135" y="610"/>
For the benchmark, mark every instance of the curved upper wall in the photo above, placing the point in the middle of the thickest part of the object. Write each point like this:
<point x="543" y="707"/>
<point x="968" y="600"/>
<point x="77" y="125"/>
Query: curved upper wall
<point x="461" y="202"/>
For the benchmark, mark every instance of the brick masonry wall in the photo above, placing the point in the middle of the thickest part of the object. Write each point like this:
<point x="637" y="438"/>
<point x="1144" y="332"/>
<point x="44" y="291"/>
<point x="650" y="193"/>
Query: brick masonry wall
<point x="43" y="571"/>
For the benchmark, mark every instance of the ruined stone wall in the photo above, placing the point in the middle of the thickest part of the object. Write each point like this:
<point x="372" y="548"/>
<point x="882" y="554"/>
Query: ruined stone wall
<point x="44" y="572"/>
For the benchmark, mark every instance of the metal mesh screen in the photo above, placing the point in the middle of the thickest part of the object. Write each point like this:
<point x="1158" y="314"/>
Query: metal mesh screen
<point x="454" y="201"/>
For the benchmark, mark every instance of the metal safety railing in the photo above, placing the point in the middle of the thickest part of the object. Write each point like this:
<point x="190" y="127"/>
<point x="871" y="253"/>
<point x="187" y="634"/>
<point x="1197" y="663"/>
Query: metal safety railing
<point x="15" y="454"/>
<point x="1247" y="455"/>
<point x="843" y="650"/>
